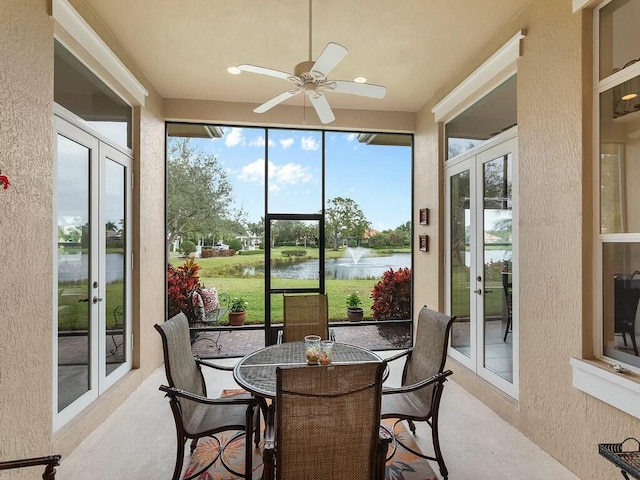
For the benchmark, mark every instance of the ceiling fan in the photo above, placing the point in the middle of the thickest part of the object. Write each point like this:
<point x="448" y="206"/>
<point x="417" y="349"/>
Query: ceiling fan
<point x="311" y="78"/>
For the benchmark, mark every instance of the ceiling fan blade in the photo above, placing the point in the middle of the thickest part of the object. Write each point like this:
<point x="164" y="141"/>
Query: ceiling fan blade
<point x="276" y="100"/>
<point x="319" y="102"/>
<point x="329" y="58"/>
<point x="266" y="71"/>
<point x="353" y="88"/>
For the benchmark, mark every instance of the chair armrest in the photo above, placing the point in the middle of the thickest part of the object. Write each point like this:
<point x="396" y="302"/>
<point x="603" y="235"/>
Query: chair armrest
<point x="204" y="363"/>
<point x="404" y="353"/>
<point x="438" y="378"/>
<point x="176" y="392"/>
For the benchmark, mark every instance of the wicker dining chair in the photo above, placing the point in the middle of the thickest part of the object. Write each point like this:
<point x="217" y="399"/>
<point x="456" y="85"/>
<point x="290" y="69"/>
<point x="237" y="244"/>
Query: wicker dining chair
<point x="326" y="424"/>
<point x="305" y="315"/>
<point x="195" y="414"/>
<point x="423" y="378"/>
<point x="50" y="463"/>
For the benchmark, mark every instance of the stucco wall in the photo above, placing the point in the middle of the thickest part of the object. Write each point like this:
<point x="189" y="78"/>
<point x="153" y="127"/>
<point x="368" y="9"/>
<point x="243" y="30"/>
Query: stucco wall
<point x="555" y="235"/>
<point x="26" y="243"/>
<point x="26" y="105"/>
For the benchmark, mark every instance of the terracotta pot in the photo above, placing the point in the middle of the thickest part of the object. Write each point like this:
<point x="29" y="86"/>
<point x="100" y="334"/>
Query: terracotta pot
<point x="237" y="318"/>
<point x="355" y="314"/>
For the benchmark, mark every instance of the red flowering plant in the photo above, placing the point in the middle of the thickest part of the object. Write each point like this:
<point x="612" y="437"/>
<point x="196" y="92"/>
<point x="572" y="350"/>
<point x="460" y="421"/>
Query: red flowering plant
<point x="392" y="295"/>
<point x="182" y="283"/>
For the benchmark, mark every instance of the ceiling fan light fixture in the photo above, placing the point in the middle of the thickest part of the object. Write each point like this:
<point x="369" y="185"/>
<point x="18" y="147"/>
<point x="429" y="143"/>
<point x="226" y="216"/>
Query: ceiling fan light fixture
<point x="234" y="70"/>
<point x="360" y="80"/>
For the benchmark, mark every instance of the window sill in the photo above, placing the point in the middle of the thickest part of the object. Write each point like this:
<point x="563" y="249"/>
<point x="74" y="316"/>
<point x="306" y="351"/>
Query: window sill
<point x="596" y="378"/>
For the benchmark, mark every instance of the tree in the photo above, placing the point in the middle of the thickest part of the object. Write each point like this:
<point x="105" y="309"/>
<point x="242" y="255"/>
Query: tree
<point x="345" y="218"/>
<point x="198" y="192"/>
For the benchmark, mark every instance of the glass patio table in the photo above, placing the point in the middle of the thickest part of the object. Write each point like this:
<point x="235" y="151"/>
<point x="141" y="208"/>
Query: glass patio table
<point x="256" y="372"/>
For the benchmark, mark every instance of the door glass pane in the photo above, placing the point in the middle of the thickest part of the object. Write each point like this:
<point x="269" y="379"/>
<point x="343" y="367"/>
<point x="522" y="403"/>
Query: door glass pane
<point x="461" y="262"/>
<point x="114" y="205"/>
<point x="295" y="257"/>
<point x="497" y="261"/>
<point x="73" y="253"/>
<point x="295" y="171"/>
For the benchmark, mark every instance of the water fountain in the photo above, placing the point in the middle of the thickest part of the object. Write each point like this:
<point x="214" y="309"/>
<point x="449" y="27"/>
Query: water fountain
<point x="355" y="253"/>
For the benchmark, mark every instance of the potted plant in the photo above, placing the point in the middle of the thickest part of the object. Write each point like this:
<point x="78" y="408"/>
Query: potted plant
<point x="237" y="311"/>
<point x="354" y="307"/>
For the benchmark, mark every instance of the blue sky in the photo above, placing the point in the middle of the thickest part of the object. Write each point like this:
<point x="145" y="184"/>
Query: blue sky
<point x="377" y="178"/>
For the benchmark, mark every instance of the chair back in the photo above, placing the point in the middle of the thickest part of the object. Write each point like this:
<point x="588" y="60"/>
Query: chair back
<point x="429" y="354"/>
<point x="181" y="368"/>
<point x="328" y="420"/>
<point x="305" y="315"/>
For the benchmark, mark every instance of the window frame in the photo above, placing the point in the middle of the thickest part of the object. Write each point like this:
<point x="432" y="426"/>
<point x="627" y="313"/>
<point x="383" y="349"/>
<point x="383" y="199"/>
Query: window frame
<point x="594" y="374"/>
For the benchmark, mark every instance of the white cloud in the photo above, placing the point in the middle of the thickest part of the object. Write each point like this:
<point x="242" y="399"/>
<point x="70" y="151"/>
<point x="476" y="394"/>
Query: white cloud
<point x="288" y="174"/>
<point x="260" y="142"/>
<point x="352" y="137"/>
<point x="309" y="143"/>
<point x="286" y="142"/>
<point x="253" y="172"/>
<point x="234" y="137"/>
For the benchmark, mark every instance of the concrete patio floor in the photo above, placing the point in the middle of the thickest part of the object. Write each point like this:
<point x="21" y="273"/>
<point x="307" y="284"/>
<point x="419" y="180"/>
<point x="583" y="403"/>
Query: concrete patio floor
<point x="138" y="440"/>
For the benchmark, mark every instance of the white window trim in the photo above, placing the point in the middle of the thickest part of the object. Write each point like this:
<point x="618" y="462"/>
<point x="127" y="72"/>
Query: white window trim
<point x="71" y="21"/>
<point x="596" y="377"/>
<point x="498" y="68"/>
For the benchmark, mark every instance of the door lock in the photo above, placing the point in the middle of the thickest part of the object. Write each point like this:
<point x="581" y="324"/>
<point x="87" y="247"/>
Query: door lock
<point x="478" y="291"/>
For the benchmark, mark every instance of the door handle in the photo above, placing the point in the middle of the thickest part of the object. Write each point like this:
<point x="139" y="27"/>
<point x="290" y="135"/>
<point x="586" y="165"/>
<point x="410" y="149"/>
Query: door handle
<point x="97" y="300"/>
<point x="488" y="291"/>
<point x="478" y="291"/>
<point x="83" y="300"/>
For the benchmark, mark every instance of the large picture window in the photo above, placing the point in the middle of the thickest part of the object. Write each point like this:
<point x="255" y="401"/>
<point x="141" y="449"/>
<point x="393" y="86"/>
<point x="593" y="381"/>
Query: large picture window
<point x="258" y="213"/>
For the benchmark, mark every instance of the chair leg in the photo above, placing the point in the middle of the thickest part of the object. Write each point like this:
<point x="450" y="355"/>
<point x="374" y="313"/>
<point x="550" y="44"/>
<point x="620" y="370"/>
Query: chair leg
<point x="179" y="459"/>
<point x="633" y="342"/>
<point x="506" y="330"/>
<point x="248" y="446"/>
<point x="436" y="446"/>
<point x="412" y="426"/>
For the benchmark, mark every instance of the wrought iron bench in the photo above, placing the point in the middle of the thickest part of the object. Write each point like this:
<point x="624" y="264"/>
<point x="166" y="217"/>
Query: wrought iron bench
<point x="51" y="462"/>
<point x="212" y="318"/>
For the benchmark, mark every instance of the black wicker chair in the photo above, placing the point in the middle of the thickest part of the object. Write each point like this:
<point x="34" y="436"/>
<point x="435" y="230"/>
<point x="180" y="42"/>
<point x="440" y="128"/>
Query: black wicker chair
<point x="195" y="414"/>
<point x="50" y="462"/>
<point x="423" y="377"/>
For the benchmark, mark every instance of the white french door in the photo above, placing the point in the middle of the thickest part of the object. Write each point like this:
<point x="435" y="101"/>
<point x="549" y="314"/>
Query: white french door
<point x="92" y="326"/>
<point x="481" y="259"/>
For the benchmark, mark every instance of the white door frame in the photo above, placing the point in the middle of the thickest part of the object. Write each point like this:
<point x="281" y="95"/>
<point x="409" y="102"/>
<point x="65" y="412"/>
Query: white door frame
<point x="67" y="125"/>
<point x="472" y="161"/>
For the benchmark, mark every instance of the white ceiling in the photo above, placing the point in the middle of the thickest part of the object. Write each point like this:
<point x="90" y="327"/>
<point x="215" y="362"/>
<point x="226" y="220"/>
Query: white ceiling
<point x="410" y="46"/>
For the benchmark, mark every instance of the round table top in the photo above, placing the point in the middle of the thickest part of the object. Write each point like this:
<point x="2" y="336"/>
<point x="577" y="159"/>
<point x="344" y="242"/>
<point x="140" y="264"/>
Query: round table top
<point x="256" y="372"/>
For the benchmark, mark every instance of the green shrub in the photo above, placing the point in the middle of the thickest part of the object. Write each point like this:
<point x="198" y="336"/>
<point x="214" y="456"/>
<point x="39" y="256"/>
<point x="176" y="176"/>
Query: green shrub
<point x="293" y="253"/>
<point x="187" y="248"/>
<point x="235" y="244"/>
<point x="251" y="252"/>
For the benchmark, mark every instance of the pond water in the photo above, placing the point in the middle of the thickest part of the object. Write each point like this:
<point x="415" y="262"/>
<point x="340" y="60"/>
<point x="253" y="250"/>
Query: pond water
<point x="346" y="268"/>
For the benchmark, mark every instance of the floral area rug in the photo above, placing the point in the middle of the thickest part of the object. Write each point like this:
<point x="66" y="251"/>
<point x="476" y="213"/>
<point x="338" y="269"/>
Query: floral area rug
<point x="216" y="455"/>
